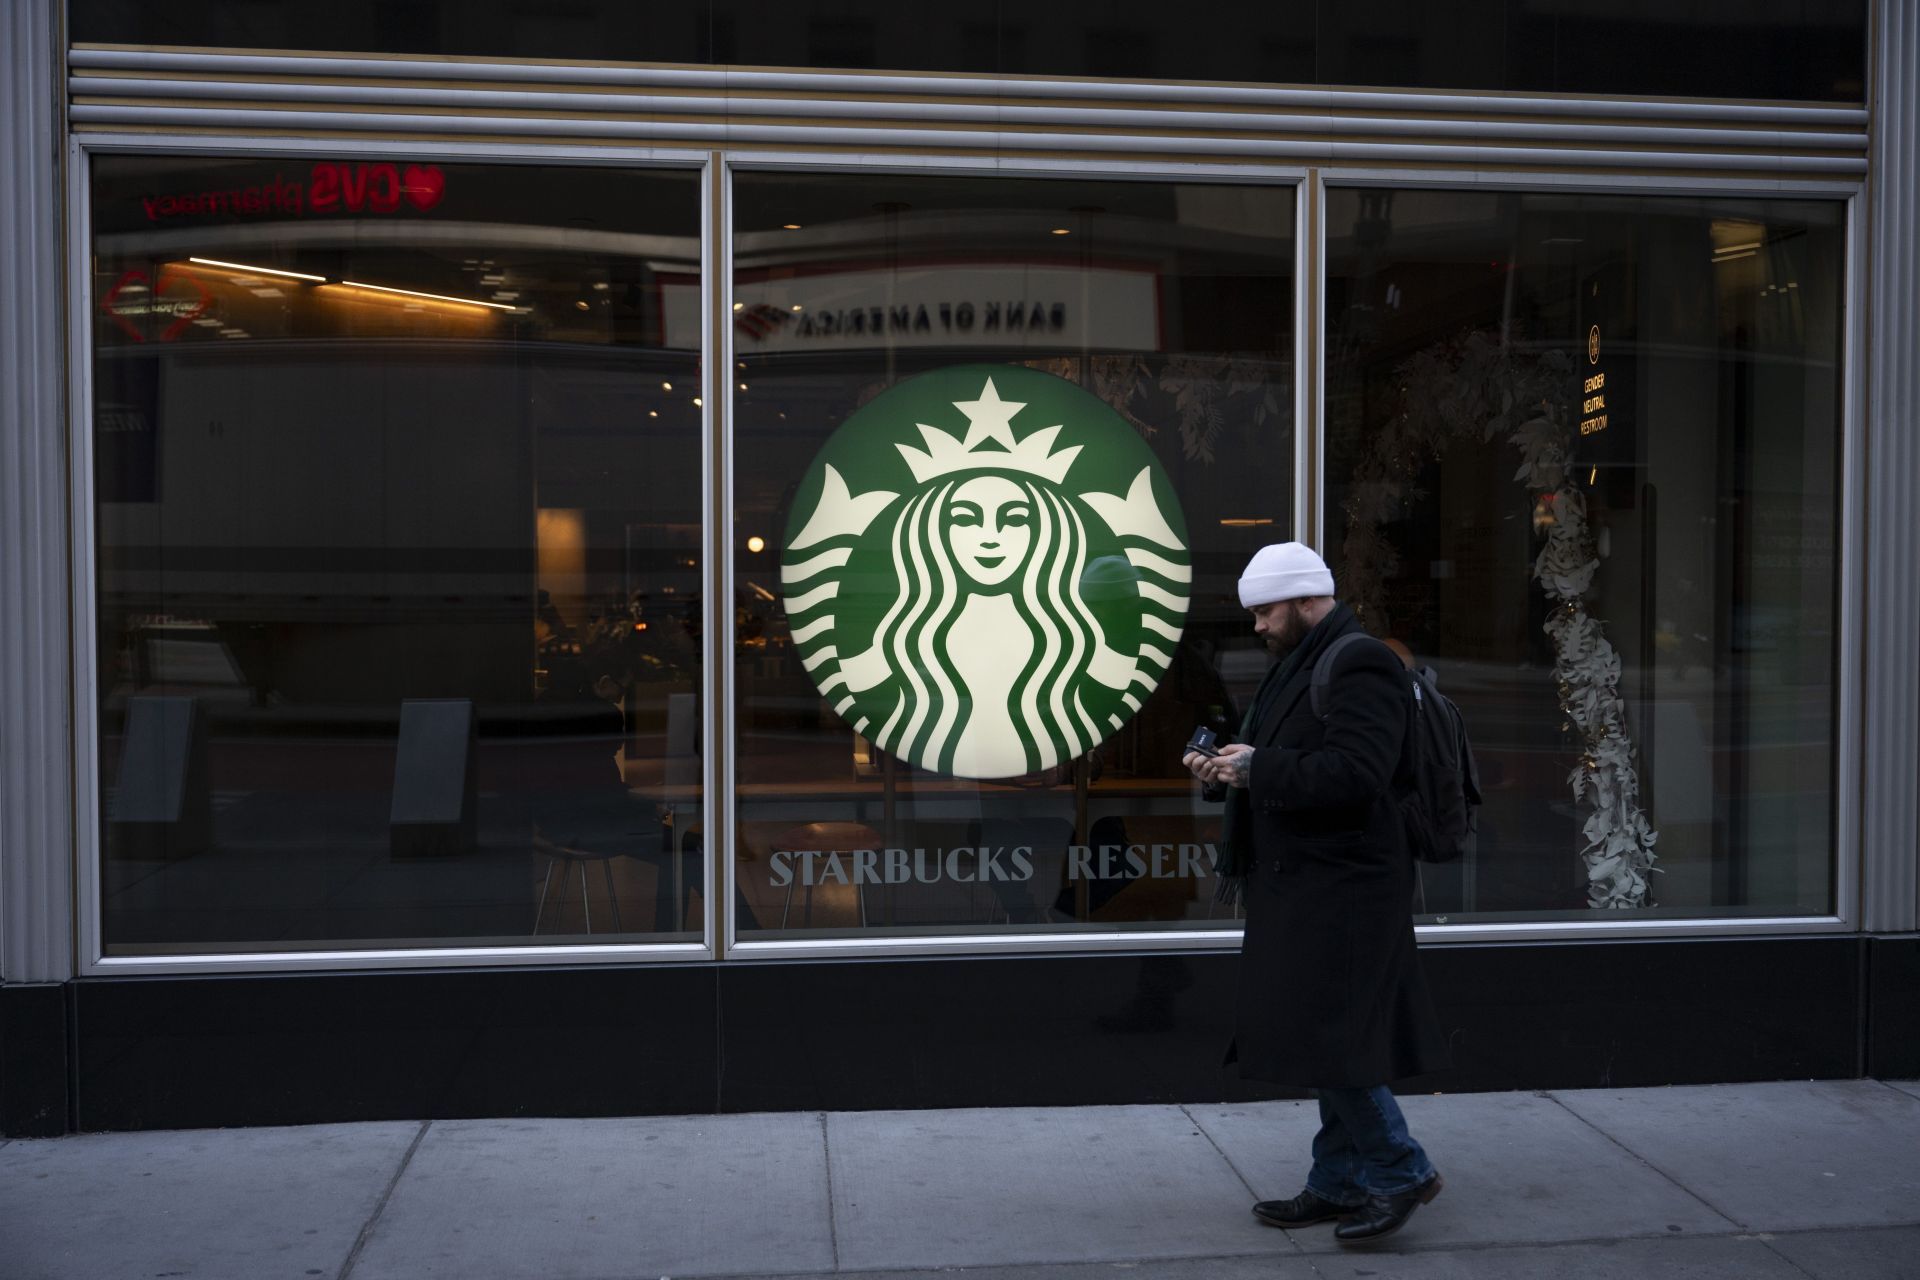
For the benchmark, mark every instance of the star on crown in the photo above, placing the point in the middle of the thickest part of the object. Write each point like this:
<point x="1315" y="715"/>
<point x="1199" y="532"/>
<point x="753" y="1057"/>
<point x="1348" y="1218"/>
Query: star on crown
<point x="989" y="444"/>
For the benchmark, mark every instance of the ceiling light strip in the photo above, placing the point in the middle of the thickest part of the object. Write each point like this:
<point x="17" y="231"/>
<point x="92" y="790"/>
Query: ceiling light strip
<point x="248" y="269"/>
<point x="431" y="297"/>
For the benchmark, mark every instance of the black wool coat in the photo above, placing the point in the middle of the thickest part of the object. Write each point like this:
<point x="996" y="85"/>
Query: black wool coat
<point x="1331" y="994"/>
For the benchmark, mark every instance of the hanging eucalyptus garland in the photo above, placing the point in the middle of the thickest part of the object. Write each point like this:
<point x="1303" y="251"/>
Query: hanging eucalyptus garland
<point x="1472" y="388"/>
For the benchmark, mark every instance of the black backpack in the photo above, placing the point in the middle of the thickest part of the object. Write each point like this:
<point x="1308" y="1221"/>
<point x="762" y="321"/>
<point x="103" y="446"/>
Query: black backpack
<point x="1442" y="810"/>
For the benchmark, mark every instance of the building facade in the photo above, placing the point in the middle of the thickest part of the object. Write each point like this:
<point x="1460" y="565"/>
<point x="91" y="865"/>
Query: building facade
<point x="573" y="559"/>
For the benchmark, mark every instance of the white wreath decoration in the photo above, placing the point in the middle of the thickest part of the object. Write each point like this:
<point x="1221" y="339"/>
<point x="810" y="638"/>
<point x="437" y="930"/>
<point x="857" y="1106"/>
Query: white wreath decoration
<point x="1451" y="391"/>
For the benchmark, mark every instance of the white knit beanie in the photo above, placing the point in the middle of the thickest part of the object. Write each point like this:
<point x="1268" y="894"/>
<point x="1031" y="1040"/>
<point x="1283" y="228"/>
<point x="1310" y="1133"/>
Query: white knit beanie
<point x="1284" y="571"/>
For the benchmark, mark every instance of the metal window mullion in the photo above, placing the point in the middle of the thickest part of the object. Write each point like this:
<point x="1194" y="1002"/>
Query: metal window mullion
<point x="720" y="723"/>
<point x="1889" y="741"/>
<point x="36" y="728"/>
<point x="1309" y="434"/>
<point x="1852" y="802"/>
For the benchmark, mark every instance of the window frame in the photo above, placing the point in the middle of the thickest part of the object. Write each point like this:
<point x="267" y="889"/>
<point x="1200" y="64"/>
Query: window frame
<point x="89" y="846"/>
<point x="719" y="937"/>
<point x="1846" y="849"/>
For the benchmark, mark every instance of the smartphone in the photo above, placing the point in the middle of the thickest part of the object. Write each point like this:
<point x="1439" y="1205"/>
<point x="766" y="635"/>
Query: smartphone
<point x="1204" y="741"/>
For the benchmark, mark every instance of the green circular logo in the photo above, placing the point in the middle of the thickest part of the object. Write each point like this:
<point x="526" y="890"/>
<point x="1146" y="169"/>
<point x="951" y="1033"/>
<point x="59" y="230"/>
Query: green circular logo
<point x="986" y="571"/>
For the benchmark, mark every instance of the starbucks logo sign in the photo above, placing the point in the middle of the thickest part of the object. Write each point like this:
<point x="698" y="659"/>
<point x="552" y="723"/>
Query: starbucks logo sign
<point x="986" y="571"/>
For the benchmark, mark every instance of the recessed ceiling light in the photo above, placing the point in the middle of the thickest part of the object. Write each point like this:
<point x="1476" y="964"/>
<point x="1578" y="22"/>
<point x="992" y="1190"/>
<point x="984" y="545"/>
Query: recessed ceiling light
<point x="1062" y="231"/>
<point x="789" y="226"/>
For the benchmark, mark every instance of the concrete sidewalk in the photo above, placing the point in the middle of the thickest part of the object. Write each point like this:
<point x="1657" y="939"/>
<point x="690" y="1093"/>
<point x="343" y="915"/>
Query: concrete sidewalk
<point x="1739" y="1181"/>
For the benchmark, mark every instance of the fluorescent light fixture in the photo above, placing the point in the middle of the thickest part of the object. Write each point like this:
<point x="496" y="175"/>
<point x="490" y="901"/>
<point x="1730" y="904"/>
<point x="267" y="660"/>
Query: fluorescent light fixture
<point x="253" y="270"/>
<point x="431" y="297"/>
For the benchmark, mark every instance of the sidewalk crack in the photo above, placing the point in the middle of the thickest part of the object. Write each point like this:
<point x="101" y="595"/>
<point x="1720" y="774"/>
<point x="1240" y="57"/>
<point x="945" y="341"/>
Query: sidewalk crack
<point x="366" y="1232"/>
<point x="1646" y="1162"/>
<point x="1219" y="1151"/>
<point x="1299" y="1250"/>
<point x="1768" y="1245"/>
<point x="833" y="1226"/>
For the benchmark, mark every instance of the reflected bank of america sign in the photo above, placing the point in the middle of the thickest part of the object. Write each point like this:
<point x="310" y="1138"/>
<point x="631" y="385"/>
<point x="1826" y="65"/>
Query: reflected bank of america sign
<point x="986" y="571"/>
<point x="986" y="306"/>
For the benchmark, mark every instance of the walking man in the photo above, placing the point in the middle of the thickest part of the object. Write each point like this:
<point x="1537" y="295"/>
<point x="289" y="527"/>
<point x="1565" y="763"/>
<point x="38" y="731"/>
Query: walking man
<point x="1331" y="995"/>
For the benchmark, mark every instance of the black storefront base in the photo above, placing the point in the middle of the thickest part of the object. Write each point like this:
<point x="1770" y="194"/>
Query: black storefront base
<point x="138" y="1053"/>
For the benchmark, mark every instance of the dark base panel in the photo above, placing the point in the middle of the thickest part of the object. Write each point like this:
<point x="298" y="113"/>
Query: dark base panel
<point x="934" y="1032"/>
<point x="1051" y="1031"/>
<point x="34" y="1101"/>
<point x="1893" y="1011"/>
<point x="169" y="1053"/>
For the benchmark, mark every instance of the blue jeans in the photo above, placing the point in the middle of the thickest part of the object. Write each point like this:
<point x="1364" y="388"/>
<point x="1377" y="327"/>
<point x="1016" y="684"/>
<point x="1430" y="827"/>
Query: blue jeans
<point x="1363" y="1147"/>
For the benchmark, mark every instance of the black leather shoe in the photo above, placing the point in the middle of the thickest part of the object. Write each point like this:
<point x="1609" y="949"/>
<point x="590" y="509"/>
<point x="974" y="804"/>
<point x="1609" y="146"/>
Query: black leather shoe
<point x="1381" y="1216"/>
<point x="1303" y="1210"/>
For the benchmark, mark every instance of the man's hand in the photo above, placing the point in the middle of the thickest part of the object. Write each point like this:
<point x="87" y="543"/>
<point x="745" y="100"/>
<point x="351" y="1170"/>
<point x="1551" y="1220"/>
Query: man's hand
<point x="1233" y="767"/>
<point x="1196" y="764"/>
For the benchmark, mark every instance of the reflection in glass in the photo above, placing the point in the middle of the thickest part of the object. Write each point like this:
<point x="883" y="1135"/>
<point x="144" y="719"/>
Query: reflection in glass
<point x="974" y="631"/>
<point x="1710" y="48"/>
<point x="1583" y="460"/>
<point x="396" y="527"/>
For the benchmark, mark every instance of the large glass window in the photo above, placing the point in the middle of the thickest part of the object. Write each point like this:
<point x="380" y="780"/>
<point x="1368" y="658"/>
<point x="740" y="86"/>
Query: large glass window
<point x="397" y="470"/>
<point x="1582" y="458"/>
<point x="1002" y="448"/>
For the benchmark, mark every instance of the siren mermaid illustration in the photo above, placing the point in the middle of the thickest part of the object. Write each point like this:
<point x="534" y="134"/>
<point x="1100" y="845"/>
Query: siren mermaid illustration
<point x="979" y="666"/>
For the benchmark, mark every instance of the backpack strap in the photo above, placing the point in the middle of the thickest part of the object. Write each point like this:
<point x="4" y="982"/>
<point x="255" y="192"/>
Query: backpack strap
<point x="1323" y="671"/>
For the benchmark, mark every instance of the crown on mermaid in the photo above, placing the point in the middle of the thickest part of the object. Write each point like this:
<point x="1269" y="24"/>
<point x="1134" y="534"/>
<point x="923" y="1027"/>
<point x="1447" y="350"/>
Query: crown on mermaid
<point x="989" y="444"/>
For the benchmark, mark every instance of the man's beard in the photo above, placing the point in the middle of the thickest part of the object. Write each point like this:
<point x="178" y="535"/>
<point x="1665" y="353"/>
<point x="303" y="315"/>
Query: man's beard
<point x="1283" y="642"/>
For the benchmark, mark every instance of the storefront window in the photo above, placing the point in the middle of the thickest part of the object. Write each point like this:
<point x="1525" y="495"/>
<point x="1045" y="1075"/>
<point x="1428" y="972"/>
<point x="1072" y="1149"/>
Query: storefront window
<point x="1002" y="449"/>
<point x="1582" y="459"/>
<point x="397" y="477"/>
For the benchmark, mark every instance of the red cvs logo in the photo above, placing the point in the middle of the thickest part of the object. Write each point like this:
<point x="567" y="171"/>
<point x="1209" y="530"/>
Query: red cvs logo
<point x="340" y="187"/>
